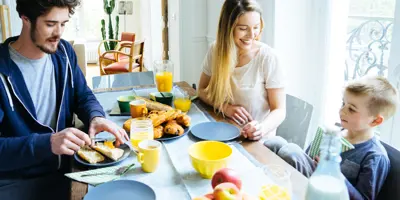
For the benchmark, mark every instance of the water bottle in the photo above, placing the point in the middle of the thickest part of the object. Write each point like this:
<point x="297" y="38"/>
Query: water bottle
<point x="328" y="182"/>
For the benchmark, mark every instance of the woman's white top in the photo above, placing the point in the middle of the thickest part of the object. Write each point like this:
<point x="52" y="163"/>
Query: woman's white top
<point x="250" y="81"/>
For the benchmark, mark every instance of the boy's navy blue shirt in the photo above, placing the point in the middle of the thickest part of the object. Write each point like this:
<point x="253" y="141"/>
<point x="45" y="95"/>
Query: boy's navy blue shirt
<point x="25" y="149"/>
<point x="365" y="168"/>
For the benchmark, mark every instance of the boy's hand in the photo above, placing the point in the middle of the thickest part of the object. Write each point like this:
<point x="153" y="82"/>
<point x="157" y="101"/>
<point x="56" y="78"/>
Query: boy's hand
<point x="316" y="159"/>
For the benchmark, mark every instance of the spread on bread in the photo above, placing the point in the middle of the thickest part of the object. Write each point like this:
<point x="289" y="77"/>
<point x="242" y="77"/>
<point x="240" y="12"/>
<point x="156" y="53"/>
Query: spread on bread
<point x="89" y="155"/>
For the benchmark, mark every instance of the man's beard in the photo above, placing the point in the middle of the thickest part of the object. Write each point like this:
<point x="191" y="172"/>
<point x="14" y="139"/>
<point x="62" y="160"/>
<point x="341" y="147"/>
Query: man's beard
<point x="42" y="47"/>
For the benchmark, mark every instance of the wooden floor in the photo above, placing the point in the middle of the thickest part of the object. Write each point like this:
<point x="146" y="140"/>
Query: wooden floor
<point x="93" y="70"/>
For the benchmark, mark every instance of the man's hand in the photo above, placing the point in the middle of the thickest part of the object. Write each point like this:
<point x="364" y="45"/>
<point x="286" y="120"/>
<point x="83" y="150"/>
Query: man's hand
<point x="238" y="114"/>
<point x="68" y="141"/>
<point x="252" y="130"/>
<point x="99" y="124"/>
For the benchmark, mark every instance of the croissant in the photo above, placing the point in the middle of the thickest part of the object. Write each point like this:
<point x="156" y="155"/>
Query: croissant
<point x="157" y="119"/>
<point x="183" y="119"/>
<point x="158" y="132"/>
<point x="173" y="128"/>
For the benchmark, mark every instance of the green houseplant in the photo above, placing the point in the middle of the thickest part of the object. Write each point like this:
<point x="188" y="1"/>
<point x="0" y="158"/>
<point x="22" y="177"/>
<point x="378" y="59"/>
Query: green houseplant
<point x="109" y="8"/>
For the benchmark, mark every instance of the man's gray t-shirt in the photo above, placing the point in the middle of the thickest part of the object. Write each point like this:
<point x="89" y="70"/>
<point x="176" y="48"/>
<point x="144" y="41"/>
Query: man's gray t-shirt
<point x="40" y="79"/>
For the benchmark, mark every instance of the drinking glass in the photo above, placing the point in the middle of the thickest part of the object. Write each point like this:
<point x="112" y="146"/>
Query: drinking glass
<point x="141" y="130"/>
<point x="164" y="75"/>
<point x="280" y="176"/>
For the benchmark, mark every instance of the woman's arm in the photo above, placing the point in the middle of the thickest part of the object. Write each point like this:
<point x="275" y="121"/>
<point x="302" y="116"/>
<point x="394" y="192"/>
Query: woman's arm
<point x="203" y="83"/>
<point x="277" y="103"/>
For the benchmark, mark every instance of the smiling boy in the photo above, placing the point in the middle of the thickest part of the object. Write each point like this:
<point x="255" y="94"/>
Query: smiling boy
<point x="367" y="103"/>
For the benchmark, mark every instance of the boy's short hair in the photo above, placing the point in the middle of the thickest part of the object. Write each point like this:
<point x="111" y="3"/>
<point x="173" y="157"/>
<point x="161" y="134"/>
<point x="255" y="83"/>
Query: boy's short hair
<point x="383" y="96"/>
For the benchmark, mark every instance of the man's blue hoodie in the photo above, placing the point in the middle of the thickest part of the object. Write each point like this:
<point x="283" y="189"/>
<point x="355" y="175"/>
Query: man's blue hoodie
<point x="25" y="149"/>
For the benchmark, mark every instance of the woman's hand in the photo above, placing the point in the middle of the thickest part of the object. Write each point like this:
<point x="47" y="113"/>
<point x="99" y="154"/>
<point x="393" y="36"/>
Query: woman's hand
<point x="252" y="130"/>
<point x="238" y="114"/>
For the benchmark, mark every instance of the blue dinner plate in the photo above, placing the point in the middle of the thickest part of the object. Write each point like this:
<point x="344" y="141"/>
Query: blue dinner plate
<point x="107" y="161"/>
<point x="217" y="131"/>
<point x="121" y="189"/>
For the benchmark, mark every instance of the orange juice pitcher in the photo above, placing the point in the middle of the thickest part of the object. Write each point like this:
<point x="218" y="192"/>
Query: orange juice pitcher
<point x="164" y="75"/>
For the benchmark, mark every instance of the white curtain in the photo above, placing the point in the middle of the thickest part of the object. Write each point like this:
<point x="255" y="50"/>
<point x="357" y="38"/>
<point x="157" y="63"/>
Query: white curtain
<point x="309" y="36"/>
<point x="16" y="23"/>
<point x="390" y="129"/>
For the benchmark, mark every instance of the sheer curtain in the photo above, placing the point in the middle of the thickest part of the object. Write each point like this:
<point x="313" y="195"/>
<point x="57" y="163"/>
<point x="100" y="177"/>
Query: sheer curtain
<point x="16" y="23"/>
<point x="309" y="36"/>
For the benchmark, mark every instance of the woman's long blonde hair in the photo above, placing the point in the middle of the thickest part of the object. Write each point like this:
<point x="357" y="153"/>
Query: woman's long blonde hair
<point x="224" y="57"/>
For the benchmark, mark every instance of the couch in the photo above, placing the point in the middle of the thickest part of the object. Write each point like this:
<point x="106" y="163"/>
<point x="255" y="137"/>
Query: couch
<point x="80" y="50"/>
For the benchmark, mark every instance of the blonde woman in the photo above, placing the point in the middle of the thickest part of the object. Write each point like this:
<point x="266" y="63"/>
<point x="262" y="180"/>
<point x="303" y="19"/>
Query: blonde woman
<point x="241" y="77"/>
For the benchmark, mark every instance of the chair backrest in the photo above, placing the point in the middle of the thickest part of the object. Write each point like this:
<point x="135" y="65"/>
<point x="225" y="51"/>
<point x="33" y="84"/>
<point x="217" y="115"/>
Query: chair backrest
<point x="123" y="80"/>
<point x="127" y="36"/>
<point x="298" y="116"/>
<point x="138" y="51"/>
<point x="390" y="189"/>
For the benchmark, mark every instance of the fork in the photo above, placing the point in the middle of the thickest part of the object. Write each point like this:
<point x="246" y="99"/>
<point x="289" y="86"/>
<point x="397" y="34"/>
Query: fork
<point x="119" y="172"/>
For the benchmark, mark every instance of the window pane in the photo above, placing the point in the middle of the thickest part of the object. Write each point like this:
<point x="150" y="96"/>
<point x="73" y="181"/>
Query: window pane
<point x="369" y="37"/>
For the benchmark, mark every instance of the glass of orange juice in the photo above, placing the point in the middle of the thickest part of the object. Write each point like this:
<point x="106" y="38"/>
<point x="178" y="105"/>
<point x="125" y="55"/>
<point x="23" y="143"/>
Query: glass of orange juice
<point x="141" y="129"/>
<point x="182" y="102"/>
<point x="164" y="76"/>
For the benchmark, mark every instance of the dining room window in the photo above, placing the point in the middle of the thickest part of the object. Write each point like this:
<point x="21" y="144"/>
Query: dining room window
<point x="85" y="23"/>
<point x="370" y="25"/>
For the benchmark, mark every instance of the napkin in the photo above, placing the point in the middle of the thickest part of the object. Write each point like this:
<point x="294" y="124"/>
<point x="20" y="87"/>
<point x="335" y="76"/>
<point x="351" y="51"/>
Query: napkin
<point x="314" y="147"/>
<point x="110" y="175"/>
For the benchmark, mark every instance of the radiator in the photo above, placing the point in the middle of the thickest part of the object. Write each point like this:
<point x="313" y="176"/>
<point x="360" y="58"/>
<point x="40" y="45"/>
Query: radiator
<point x="91" y="52"/>
<point x="92" y="56"/>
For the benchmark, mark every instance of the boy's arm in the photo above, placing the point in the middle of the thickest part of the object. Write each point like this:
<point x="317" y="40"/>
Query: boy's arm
<point x="372" y="175"/>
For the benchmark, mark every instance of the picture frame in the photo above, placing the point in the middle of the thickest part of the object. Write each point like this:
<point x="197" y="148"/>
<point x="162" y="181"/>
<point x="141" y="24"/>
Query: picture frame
<point x="121" y="8"/>
<point x="5" y="24"/>
<point x="129" y="7"/>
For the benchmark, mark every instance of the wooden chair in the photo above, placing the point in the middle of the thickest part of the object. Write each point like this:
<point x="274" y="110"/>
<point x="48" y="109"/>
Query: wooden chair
<point x="120" y="61"/>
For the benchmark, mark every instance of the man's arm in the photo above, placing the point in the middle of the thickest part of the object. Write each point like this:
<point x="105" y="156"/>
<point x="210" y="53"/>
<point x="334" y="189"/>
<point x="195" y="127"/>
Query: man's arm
<point x="372" y="175"/>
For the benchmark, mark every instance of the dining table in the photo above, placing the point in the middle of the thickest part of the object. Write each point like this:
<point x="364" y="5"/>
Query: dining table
<point x="255" y="148"/>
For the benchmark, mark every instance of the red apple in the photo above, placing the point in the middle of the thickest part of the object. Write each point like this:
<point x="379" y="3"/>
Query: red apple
<point x="227" y="191"/>
<point x="201" y="198"/>
<point x="209" y="196"/>
<point x="226" y="175"/>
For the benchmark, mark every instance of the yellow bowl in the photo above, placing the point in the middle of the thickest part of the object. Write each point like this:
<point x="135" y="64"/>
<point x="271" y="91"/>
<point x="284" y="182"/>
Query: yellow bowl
<point x="209" y="156"/>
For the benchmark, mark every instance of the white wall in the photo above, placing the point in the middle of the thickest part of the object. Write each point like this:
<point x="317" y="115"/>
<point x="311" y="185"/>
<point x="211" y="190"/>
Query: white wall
<point x="174" y="36"/>
<point x="193" y="43"/>
<point x="145" y="22"/>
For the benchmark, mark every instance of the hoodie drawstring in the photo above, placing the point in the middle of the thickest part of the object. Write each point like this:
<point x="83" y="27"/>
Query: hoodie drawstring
<point x="69" y="66"/>
<point x="7" y="91"/>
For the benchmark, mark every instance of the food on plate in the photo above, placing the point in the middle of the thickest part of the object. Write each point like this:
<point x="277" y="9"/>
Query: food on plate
<point x="113" y="153"/>
<point x="274" y="192"/>
<point x="183" y="119"/>
<point x="227" y="191"/>
<point x="157" y="118"/>
<point x="173" y="128"/>
<point x="226" y="175"/>
<point x="165" y="123"/>
<point x="158" y="132"/>
<point x="153" y="105"/>
<point x="89" y="155"/>
<point x="172" y="114"/>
